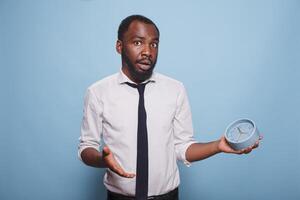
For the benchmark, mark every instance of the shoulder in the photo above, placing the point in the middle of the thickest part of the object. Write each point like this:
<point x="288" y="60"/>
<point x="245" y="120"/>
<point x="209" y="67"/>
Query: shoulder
<point x="99" y="89"/>
<point x="103" y="83"/>
<point x="168" y="81"/>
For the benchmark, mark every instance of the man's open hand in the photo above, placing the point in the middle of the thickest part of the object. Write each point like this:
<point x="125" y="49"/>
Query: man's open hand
<point x="112" y="164"/>
<point x="224" y="147"/>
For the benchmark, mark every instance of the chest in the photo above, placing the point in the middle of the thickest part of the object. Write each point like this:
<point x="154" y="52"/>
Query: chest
<point x="120" y="109"/>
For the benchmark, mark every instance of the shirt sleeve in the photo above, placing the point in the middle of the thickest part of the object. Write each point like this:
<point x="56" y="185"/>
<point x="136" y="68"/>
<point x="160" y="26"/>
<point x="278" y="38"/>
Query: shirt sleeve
<point x="91" y="126"/>
<point x="183" y="127"/>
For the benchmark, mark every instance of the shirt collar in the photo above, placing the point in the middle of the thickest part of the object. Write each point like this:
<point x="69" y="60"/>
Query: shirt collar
<point x="122" y="78"/>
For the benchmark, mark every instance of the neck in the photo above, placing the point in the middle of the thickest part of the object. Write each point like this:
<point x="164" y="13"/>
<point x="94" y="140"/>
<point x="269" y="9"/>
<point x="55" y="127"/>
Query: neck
<point x="127" y="73"/>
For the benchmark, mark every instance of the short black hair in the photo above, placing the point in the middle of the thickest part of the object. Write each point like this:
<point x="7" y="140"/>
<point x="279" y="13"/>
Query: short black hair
<point x="123" y="27"/>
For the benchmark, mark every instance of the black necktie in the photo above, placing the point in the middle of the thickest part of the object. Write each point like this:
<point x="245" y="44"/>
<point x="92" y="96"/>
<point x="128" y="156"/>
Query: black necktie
<point x="141" y="187"/>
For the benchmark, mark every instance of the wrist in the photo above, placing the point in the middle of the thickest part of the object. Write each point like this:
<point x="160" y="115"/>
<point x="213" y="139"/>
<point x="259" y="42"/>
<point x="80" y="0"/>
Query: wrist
<point x="102" y="160"/>
<point x="218" y="146"/>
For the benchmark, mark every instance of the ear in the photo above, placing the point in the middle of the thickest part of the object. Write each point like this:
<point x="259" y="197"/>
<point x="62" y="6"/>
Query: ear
<point x="119" y="46"/>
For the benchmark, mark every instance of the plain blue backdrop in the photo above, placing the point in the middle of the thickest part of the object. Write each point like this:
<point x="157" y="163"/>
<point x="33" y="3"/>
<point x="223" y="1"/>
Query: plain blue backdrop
<point x="236" y="59"/>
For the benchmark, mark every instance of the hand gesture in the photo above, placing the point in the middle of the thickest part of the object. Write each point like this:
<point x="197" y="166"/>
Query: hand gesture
<point x="225" y="147"/>
<point x="112" y="164"/>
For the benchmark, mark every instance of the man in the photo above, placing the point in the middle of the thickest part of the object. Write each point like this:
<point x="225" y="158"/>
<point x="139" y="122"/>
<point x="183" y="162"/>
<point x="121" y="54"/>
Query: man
<point x="144" y="119"/>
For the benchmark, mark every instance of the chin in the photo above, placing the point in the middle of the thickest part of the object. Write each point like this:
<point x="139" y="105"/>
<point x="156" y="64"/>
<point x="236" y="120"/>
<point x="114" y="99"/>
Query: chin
<point x="142" y="76"/>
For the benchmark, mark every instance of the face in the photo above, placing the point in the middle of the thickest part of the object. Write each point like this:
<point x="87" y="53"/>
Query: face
<point x="139" y="49"/>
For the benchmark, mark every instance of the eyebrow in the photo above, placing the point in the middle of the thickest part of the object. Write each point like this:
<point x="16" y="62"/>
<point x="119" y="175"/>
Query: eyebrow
<point x="140" y="37"/>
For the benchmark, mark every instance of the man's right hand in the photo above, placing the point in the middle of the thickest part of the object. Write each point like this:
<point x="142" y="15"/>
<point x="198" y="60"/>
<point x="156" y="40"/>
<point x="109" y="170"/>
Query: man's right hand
<point x="110" y="161"/>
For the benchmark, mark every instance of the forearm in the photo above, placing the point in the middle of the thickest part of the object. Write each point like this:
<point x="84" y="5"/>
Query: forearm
<point x="200" y="151"/>
<point x="93" y="158"/>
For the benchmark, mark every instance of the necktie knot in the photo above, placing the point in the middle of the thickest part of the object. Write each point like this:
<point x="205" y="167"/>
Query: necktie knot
<point x="139" y="87"/>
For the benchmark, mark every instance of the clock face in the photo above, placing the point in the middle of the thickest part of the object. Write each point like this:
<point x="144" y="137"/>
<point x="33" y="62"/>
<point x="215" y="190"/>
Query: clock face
<point x="240" y="131"/>
<point x="241" y="134"/>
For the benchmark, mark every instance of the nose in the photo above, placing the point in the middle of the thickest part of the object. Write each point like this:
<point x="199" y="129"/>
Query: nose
<point x="146" y="51"/>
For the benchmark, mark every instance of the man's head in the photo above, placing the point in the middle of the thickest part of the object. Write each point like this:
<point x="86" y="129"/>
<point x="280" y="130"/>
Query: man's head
<point x="138" y="39"/>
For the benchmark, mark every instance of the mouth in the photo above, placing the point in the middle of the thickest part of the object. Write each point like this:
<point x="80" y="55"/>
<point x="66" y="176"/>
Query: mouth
<point x="144" y="65"/>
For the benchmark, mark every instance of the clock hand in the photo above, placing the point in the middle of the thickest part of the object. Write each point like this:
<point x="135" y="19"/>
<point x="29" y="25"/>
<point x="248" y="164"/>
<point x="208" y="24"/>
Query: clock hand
<point x="240" y="132"/>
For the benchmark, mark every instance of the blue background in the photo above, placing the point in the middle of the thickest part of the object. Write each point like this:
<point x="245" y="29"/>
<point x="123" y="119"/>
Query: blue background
<point x="236" y="59"/>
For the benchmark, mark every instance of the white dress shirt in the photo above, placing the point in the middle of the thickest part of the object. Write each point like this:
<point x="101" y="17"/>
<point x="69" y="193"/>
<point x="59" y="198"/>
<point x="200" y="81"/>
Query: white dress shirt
<point x="111" y="116"/>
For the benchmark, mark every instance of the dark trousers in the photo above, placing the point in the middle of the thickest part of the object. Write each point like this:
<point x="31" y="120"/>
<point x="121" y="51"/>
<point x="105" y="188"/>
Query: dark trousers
<point x="172" y="195"/>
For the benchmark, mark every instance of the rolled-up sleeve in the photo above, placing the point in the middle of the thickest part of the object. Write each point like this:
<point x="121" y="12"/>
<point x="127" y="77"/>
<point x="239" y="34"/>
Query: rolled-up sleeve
<point x="91" y="126"/>
<point x="183" y="126"/>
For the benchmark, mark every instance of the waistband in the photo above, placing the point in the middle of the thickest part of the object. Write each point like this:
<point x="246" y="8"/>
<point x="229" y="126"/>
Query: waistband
<point x="172" y="195"/>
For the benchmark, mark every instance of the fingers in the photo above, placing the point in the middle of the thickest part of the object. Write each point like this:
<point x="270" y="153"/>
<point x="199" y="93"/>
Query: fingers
<point x="255" y="145"/>
<point x="249" y="149"/>
<point x="117" y="169"/>
<point x="113" y="165"/>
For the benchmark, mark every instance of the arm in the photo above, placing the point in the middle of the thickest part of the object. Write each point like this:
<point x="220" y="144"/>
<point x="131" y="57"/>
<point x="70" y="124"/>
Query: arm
<point x="186" y="147"/>
<point x="89" y="144"/>
<point x="200" y="151"/>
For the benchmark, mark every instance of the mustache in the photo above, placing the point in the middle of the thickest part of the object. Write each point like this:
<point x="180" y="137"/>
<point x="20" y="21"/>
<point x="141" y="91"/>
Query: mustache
<point x="145" y="61"/>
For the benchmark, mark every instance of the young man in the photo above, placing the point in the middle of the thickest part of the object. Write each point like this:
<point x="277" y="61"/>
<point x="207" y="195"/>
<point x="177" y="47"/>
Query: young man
<point x="144" y="119"/>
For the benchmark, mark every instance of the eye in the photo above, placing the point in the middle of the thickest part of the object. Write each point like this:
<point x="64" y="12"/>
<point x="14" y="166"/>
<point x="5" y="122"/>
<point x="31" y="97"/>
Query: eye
<point x="154" y="45"/>
<point x="137" y="43"/>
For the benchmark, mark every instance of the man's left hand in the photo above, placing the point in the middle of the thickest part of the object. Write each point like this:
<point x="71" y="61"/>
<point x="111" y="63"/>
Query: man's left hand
<point x="225" y="147"/>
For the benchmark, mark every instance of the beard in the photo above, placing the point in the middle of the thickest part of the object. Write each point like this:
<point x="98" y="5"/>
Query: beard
<point x="137" y="75"/>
